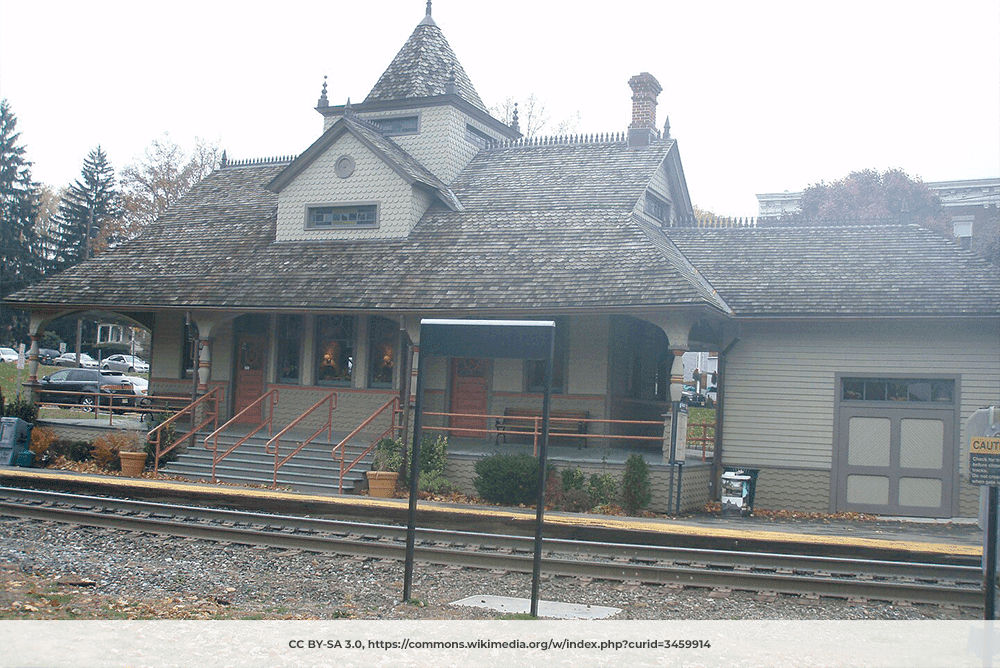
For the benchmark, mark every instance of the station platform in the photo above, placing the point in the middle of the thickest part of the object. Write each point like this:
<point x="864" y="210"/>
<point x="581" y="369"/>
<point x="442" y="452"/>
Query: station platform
<point x="882" y="537"/>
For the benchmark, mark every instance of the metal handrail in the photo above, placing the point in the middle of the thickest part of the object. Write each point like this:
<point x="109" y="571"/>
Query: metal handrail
<point x="537" y="430"/>
<point x="275" y="442"/>
<point x="272" y="397"/>
<point x="342" y="446"/>
<point x="158" y="431"/>
<point x="704" y="439"/>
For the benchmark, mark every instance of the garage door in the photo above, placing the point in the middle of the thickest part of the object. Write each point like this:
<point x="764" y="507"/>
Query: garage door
<point x="897" y="447"/>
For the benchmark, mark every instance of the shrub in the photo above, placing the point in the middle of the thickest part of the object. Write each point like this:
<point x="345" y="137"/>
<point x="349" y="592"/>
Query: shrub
<point x="107" y="447"/>
<point x="167" y="437"/>
<point x="42" y="440"/>
<point x="603" y="489"/>
<point x="573" y="479"/>
<point x="388" y="455"/>
<point x="510" y="479"/>
<point x="74" y="451"/>
<point x="22" y="408"/>
<point x="636" y="491"/>
<point x="575" y="501"/>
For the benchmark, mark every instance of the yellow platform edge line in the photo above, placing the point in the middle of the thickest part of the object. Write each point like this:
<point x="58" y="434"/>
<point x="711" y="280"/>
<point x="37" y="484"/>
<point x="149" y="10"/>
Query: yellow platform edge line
<point x="499" y="513"/>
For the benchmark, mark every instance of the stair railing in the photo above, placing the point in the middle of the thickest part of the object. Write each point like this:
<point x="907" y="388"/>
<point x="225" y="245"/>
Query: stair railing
<point x="271" y="397"/>
<point x="210" y="401"/>
<point x="273" y="446"/>
<point x="393" y="405"/>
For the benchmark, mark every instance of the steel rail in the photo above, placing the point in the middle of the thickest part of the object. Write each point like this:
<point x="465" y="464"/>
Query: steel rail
<point x="511" y="553"/>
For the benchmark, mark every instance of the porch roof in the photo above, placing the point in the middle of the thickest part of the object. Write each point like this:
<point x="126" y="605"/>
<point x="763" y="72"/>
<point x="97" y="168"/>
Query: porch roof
<point x="865" y="271"/>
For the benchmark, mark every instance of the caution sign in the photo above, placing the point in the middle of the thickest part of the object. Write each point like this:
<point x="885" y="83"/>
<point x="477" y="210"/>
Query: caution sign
<point x="984" y="461"/>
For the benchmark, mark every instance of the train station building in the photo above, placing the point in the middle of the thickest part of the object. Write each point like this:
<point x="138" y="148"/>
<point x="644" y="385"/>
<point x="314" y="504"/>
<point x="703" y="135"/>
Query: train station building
<point x="849" y="357"/>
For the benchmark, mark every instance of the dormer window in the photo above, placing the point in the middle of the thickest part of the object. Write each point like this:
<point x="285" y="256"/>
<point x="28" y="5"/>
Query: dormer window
<point x="330" y="217"/>
<point x="656" y="208"/>
<point x="401" y="125"/>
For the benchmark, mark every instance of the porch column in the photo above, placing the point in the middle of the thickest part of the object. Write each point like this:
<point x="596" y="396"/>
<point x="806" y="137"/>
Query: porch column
<point x="35" y="329"/>
<point x="204" y="364"/>
<point x="206" y="325"/>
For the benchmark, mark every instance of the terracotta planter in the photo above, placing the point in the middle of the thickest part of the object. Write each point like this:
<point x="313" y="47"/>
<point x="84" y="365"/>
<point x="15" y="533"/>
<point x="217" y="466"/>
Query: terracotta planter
<point x="382" y="483"/>
<point x="133" y="463"/>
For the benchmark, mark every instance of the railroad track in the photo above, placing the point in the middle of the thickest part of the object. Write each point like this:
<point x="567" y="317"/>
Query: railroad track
<point x="857" y="579"/>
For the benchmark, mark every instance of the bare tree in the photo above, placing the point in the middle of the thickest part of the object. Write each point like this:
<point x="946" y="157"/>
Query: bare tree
<point x="532" y="118"/>
<point x="159" y="179"/>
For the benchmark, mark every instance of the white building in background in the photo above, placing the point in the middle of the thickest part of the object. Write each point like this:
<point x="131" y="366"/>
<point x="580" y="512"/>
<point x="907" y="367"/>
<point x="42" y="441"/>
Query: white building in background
<point x="974" y="205"/>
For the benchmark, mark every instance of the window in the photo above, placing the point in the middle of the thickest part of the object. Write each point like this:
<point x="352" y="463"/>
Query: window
<point x="382" y="334"/>
<point x="657" y="208"/>
<point x="402" y="125"/>
<point x="334" y="349"/>
<point x="355" y="215"/>
<point x="535" y="369"/>
<point x="898" y="389"/>
<point x="477" y="136"/>
<point x="289" y="348"/>
<point x="962" y="226"/>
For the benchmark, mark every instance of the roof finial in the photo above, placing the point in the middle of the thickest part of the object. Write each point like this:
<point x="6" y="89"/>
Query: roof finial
<point x="224" y="162"/>
<point x="451" y="88"/>
<point x="348" y="109"/>
<point x="428" y="7"/>
<point x="323" y="101"/>
<point x="513" y="125"/>
<point x="666" y="129"/>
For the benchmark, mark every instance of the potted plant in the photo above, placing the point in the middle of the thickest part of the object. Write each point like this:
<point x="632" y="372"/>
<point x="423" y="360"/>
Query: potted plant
<point x="133" y="454"/>
<point x="386" y="465"/>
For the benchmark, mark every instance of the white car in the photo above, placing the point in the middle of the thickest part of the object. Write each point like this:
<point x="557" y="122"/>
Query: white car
<point x="8" y="355"/>
<point x="125" y="363"/>
<point x="69" y="359"/>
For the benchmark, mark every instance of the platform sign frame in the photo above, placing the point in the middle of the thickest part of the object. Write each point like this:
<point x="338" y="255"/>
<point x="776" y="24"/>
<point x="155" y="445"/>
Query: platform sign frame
<point x="983" y="429"/>
<point x="497" y="339"/>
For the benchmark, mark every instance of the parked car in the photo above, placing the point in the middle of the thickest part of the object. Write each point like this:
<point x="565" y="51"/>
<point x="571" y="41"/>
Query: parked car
<point x="692" y="397"/>
<point x="112" y="388"/>
<point x="69" y="359"/>
<point x="47" y="356"/>
<point x="126" y="363"/>
<point x="8" y="355"/>
<point x="140" y="386"/>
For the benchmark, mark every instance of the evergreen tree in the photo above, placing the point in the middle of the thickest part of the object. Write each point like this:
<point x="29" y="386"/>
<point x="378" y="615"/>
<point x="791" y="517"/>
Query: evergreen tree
<point x="87" y="206"/>
<point x="19" y="259"/>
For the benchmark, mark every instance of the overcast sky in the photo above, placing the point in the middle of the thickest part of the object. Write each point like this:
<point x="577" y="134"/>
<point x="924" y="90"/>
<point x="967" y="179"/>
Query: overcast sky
<point x="762" y="96"/>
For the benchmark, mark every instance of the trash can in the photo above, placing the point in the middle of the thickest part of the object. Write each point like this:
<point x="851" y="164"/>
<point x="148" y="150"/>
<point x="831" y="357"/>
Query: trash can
<point x="742" y="484"/>
<point x="15" y="441"/>
<point x="735" y="490"/>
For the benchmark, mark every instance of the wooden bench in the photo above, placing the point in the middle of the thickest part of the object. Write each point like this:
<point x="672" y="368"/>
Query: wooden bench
<point x="524" y="421"/>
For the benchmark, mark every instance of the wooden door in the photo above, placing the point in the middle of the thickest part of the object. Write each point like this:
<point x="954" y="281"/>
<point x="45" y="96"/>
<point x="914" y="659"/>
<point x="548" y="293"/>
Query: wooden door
<point x="249" y="377"/>
<point x="469" y="379"/>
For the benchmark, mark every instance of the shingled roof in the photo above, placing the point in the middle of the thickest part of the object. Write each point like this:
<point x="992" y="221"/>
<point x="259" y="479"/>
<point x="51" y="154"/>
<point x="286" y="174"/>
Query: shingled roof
<point x="424" y="67"/>
<point x="900" y="270"/>
<point x="545" y="227"/>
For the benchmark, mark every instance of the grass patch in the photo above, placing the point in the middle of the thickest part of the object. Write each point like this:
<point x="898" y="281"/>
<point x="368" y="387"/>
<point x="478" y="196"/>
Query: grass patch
<point x="517" y="616"/>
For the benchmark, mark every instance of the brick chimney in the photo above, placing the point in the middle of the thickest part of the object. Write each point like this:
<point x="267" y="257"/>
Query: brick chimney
<point x="645" y="89"/>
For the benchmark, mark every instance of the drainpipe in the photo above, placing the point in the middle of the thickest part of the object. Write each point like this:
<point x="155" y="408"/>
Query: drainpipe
<point x="720" y="404"/>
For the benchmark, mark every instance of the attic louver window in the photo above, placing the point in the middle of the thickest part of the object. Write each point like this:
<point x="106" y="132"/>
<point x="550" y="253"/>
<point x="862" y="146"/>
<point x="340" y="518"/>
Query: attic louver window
<point x="656" y="208"/>
<point x="403" y="125"/>
<point x="359" y="215"/>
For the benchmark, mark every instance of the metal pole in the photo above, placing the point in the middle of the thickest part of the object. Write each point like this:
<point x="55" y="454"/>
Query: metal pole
<point x="536" y="569"/>
<point x="991" y="555"/>
<point x="414" y="468"/>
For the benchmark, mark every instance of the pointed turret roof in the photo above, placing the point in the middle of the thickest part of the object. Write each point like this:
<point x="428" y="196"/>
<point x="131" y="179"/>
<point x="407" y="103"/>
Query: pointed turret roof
<point x="425" y="66"/>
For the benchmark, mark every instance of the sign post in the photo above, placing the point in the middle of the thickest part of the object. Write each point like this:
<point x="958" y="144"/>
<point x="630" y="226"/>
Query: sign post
<point x="983" y="428"/>
<point x="499" y="339"/>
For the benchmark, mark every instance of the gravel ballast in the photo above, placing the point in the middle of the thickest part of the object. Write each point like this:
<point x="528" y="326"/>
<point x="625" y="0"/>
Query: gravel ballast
<point x="58" y="571"/>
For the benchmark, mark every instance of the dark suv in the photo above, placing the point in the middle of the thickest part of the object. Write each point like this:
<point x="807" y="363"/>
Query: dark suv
<point x="111" y="387"/>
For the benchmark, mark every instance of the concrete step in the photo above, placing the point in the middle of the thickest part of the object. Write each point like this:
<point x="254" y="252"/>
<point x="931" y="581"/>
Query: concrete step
<point x="312" y="470"/>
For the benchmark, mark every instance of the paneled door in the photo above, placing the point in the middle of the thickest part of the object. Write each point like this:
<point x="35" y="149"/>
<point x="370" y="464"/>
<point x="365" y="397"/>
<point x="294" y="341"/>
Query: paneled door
<point x="469" y="396"/>
<point x="249" y="377"/>
<point x="896" y="461"/>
